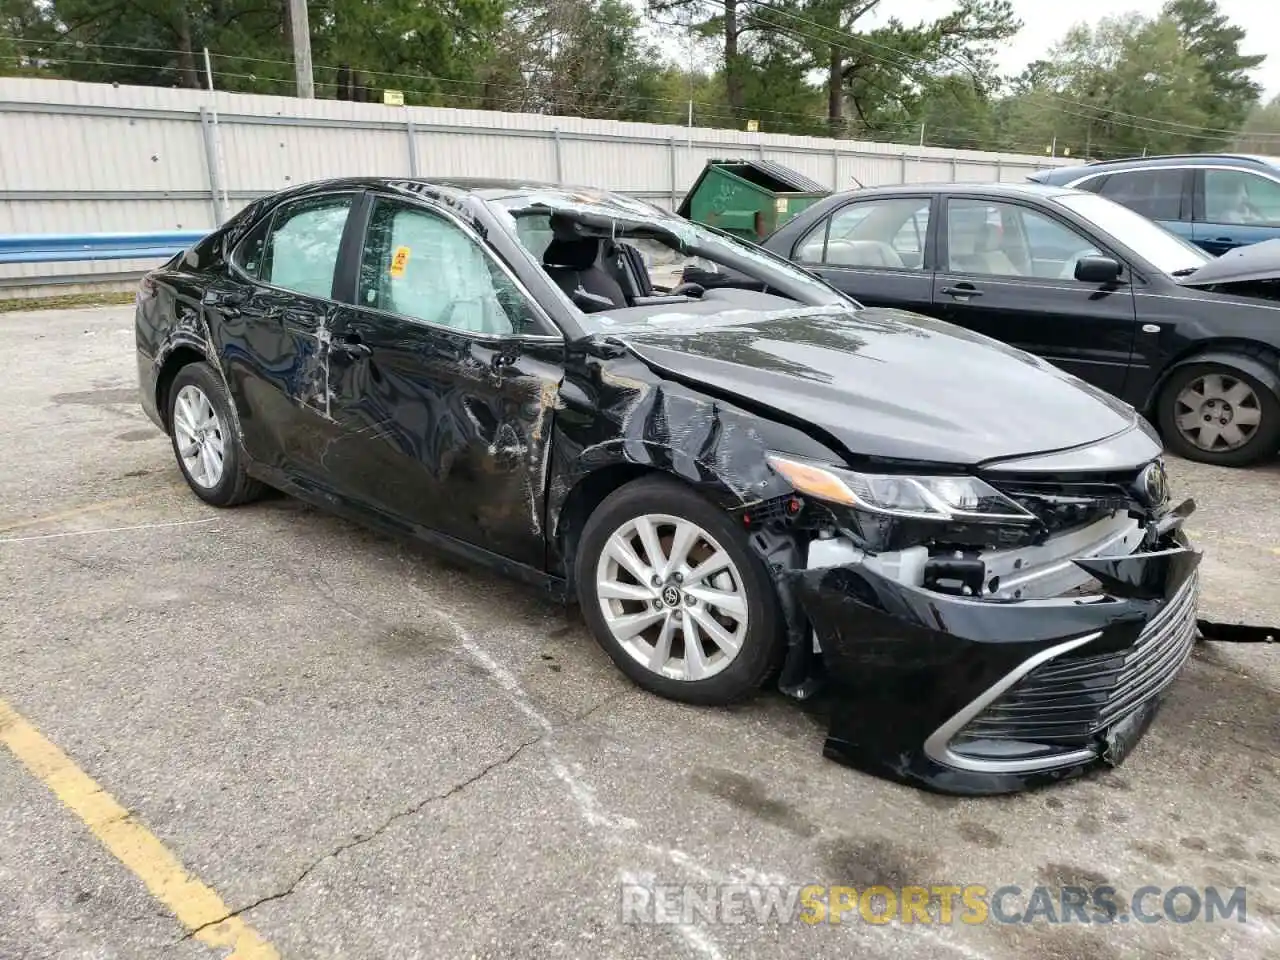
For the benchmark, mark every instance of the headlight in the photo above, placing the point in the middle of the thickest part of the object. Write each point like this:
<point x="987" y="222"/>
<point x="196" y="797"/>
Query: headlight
<point x="921" y="497"/>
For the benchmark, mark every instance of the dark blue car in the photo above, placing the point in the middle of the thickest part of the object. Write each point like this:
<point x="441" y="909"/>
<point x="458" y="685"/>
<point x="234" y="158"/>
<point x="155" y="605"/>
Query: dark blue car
<point x="1217" y="201"/>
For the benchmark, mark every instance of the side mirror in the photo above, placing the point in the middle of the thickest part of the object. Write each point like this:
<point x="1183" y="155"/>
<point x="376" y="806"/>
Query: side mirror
<point x="1098" y="270"/>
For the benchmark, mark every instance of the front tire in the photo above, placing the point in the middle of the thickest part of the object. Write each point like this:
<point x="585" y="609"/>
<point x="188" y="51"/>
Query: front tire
<point x="1219" y="415"/>
<point x="205" y="440"/>
<point x="672" y="591"/>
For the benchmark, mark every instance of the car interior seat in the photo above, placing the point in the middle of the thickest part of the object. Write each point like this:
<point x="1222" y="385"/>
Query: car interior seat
<point x="863" y="253"/>
<point x="980" y="252"/>
<point x="574" y="264"/>
<point x="993" y="253"/>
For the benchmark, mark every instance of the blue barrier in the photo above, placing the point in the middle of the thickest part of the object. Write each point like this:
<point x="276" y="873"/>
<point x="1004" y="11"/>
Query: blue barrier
<point x="68" y="247"/>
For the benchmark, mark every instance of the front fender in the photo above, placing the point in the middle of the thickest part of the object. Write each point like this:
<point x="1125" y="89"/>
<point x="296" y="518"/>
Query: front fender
<point x="638" y="425"/>
<point x="619" y="416"/>
<point x="717" y="449"/>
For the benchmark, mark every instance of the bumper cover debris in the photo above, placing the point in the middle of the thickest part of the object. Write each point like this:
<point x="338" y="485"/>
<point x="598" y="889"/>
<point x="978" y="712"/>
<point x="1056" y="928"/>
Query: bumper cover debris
<point x="1237" y="632"/>
<point x="971" y="696"/>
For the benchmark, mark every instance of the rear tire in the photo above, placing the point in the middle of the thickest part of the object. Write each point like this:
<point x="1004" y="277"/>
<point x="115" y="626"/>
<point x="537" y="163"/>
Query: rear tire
<point x="1217" y="414"/>
<point x="206" y="440"/>
<point x="694" y="615"/>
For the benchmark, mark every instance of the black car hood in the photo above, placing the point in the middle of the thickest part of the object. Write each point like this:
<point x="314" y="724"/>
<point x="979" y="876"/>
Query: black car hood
<point x="884" y="383"/>
<point x="1257" y="261"/>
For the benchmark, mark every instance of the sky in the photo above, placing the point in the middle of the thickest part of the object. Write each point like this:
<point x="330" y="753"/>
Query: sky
<point x="1046" y="21"/>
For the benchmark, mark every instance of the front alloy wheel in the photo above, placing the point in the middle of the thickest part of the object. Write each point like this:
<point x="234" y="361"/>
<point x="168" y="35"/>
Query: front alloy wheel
<point x="672" y="597"/>
<point x="1217" y="414"/>
<point x="673" y="592"/>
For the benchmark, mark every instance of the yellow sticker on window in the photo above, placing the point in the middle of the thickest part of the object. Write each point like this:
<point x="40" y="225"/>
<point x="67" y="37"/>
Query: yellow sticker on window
<point x="399" y="261"/>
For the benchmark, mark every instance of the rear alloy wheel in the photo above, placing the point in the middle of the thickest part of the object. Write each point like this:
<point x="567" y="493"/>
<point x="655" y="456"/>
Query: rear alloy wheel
<point x="205" y="441"/>
<point x="1214" y="414"/>
<point x="199" y="437"/>
<point x="674" y="594"/>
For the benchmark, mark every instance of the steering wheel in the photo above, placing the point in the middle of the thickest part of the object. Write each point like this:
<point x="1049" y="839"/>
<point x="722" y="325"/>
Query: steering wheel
<point x="687" y="290"/>
<point x="1069" y="267"/>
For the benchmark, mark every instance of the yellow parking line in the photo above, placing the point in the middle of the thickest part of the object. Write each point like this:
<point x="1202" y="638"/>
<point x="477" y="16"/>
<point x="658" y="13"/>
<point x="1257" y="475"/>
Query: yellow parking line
<point x="196" y="905"/>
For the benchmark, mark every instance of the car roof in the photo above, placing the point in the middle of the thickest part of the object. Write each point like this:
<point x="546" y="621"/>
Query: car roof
<point x="488" y="188"/>
<point x="1248" y="161"/>
<point x="1027" y="189"/>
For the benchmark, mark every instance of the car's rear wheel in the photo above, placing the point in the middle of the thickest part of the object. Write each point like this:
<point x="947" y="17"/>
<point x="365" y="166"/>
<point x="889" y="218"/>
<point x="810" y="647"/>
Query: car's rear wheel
<point x="674" y="594"/>
<point x="205" y="440"/>
<point x="1216" y="414"/>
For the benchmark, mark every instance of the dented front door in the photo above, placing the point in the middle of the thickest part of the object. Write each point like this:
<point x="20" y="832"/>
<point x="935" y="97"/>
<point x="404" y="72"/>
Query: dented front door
<point x="441" y="402"/>
<point x="444" y="430"/>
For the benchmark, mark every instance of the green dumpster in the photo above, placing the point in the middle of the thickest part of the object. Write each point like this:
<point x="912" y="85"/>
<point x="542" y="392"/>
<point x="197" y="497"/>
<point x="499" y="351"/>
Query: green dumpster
<point x="749" y="198"/>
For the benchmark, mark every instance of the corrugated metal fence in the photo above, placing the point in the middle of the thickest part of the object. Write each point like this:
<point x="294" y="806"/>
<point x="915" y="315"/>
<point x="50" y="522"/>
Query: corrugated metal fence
<point x="80" y="157"/>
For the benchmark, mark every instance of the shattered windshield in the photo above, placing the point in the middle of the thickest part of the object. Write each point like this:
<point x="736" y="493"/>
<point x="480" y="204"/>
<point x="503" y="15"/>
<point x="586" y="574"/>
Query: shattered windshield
<point x="615" y="255"/>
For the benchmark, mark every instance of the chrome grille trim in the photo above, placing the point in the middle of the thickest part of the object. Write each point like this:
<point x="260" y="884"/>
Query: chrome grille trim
<point x="1073" y="700"/>
<point x="1159" y="654"/>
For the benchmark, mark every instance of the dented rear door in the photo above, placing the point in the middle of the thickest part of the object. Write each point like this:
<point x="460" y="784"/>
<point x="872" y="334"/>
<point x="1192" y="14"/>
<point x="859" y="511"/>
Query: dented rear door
<point x="442" y="402"/>
<point x="271" y="319"/>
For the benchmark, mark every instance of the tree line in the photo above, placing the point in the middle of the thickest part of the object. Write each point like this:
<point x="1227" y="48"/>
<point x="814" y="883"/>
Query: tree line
<point x="1177" y="81"/>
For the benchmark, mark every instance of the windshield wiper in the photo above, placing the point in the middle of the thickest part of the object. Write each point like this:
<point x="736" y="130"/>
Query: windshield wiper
<point x="1185" y="271"/>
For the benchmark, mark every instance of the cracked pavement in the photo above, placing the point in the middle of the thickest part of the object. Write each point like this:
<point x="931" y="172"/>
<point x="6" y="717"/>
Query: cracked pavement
<point x="372" y="752"/>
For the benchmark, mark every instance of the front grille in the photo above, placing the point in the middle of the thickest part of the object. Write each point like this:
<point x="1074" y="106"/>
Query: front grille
<point x="1069" y="505"/>
<point x="1069" y="701"/>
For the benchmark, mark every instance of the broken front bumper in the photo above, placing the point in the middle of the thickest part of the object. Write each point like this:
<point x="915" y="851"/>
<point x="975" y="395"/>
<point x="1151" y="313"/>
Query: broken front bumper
<point x="976" y="696"/>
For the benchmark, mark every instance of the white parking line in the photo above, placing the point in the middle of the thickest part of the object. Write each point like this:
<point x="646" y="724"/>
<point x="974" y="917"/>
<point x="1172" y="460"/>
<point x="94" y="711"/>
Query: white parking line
<point x="89" y="533"/>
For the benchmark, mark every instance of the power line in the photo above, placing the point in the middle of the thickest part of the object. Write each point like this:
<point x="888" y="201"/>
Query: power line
<point x="898" y="65"/>
<point x="804" y="122"/>
<point x="482" y="86"/>
<point x="1110" y="116"/>
<point x="529" y="93"/>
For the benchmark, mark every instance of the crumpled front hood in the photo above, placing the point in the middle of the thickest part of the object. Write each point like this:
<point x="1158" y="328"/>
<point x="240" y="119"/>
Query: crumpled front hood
<point x="1257" y="261"/>
<point x="885" y="383"/>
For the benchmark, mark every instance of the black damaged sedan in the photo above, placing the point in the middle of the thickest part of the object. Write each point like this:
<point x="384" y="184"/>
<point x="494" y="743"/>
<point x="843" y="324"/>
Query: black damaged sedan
<point x="742" y="475"/>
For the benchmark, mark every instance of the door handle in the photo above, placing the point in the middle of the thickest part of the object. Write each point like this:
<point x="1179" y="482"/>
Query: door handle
<point x="963" y="291"/>
<point x="352" y="345"/>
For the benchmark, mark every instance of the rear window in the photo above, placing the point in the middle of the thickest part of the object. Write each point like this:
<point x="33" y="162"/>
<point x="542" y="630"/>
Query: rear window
<point x="1153" y="193"/>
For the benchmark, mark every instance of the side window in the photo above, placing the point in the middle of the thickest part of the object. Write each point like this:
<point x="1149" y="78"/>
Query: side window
<point x="534" y="233"/>
<point x="250" y="254"/>
<point x="873" y="233"/>
<point x="421" y="265"/>
<point x="910" y="238"/>
<point x="1155" y="193"/>
<point x="813" y="247"/>
<point x="1008" y="240"/>
<point x="297" y="248"/>
<point x="1235" y="196"/>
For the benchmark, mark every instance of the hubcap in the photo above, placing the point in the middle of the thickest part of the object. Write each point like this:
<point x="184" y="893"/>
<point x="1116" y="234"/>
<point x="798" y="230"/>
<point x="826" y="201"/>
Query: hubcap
<point x="1218" y="413"/>
<point x="672" y="597"/>
<point x="201" y="443"/>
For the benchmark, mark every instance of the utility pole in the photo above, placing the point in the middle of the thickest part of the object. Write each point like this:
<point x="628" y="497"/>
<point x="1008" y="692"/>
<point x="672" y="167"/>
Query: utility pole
<point x="300" y="28"/>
